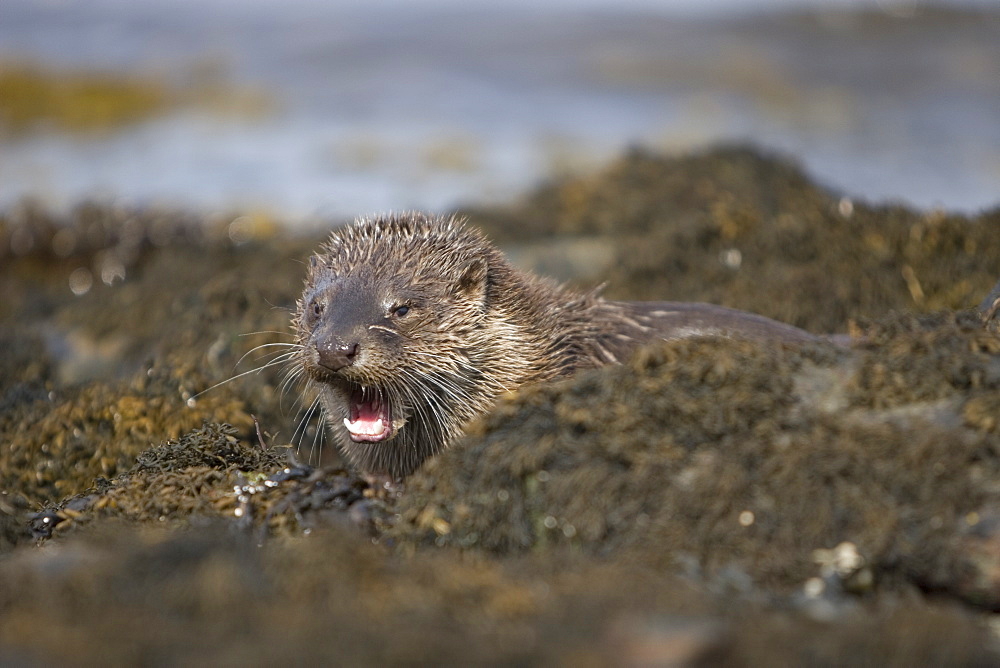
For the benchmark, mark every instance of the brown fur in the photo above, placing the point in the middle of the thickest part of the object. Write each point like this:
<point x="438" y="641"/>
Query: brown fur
<point x="474" y="327"/>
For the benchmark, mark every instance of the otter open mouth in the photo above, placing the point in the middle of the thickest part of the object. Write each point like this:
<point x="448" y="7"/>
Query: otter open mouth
<point x="370" y="417"/>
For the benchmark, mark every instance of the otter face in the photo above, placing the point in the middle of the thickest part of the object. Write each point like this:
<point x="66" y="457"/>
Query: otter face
<point x="355" y="338"/>
<point x="388" y="337"/>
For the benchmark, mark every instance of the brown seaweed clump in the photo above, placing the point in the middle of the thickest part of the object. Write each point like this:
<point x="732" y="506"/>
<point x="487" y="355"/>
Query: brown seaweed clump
<point x="78" y="434"/>
<point x="211" y="474"/>
<point x="709" y="456"/>
<point x="96" y="371"/>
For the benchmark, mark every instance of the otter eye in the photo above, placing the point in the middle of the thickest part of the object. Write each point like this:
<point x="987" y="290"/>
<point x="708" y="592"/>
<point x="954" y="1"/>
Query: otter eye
<point x="317" y="308"/>
<point x="400" y="311"/>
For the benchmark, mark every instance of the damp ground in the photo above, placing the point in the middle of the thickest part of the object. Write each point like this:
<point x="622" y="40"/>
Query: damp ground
<point x="709" y="502"/>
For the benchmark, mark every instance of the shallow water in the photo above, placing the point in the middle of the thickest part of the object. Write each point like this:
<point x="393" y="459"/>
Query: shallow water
<point x="431" y="106"/>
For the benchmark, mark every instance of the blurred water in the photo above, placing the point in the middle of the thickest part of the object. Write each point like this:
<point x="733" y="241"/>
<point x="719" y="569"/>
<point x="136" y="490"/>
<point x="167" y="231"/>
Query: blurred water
<point x="431" y="104"/>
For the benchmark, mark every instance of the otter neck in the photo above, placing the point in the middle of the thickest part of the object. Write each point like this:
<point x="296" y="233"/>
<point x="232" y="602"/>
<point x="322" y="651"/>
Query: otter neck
<point x="561" y="331"/>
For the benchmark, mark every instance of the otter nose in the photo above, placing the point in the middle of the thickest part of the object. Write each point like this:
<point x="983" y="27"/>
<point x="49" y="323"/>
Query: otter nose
<point x="336" y="357"/>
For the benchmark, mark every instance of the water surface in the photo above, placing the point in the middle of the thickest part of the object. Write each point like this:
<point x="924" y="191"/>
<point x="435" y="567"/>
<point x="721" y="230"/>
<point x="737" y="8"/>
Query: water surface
<point x="434" y="104"/>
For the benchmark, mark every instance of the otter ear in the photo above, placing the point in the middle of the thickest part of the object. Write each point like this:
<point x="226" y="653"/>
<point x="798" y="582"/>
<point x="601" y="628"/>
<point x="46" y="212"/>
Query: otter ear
<point x="472" y="283"/>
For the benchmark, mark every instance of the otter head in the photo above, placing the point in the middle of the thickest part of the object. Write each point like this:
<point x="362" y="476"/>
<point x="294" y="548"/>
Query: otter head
<point x="390" y="327"/>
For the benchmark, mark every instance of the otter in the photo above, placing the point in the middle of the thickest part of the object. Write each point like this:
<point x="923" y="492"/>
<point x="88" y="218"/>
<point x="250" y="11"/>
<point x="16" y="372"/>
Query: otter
<point x="410" y="326"/>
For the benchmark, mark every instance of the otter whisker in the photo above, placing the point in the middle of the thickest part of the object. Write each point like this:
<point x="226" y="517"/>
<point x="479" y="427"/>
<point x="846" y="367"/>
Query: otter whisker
<point x="300" y="428"/>
<point x="267" y="331"/>
<point x="295" y="346"/>
<point x="273" y="362"/>
<point x="449" y="388"/>
<point x="424" y="383"/>
<point x="300" y="399"/>
<point x="291" y="375"/>
<point x="432" y="406"/>
<point x="466" y="364"/>
<point x="317" y="437"/>
<point x="449" y="361"/>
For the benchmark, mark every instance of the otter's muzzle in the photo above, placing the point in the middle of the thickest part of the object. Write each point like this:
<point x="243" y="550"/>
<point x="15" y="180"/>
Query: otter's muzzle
<point x="336" y="356"/>
<point x="339" y="338"/>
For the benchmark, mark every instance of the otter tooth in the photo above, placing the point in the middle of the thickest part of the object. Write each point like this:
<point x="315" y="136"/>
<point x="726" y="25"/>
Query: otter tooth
<point x="374" y="429"/>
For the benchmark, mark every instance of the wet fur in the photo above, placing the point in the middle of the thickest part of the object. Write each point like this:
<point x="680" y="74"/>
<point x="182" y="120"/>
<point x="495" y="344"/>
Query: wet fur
<point x="476" y="327"/>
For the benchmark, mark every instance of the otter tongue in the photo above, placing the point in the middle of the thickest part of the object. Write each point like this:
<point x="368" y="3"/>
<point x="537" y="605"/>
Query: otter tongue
<point x="369" y="419"/>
